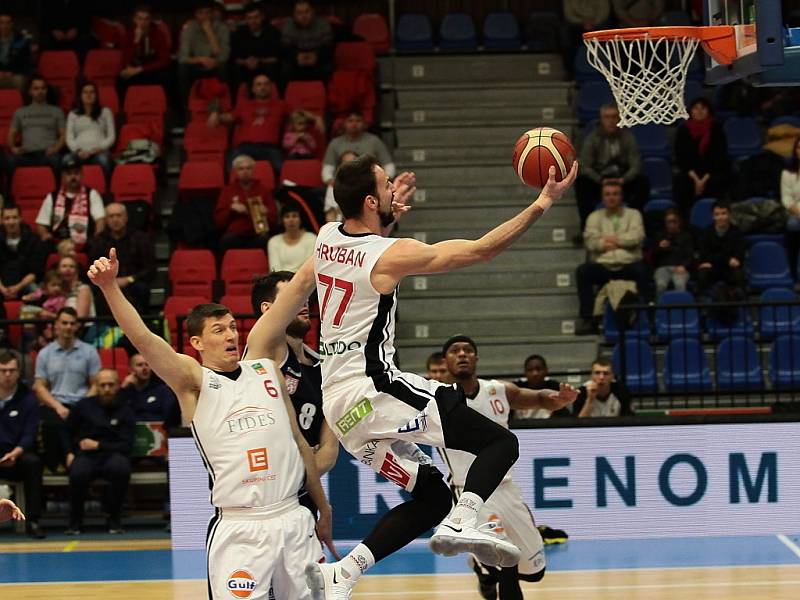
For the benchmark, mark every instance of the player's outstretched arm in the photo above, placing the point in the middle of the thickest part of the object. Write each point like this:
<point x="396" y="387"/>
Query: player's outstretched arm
<point x="269" y="332"/>
<point x="525" y="399"/>
<point x="180" y="372"/>
<point x="411" y="257"/>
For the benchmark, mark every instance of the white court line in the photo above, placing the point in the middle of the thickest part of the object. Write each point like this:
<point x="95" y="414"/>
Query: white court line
<point x="789" y="544"/>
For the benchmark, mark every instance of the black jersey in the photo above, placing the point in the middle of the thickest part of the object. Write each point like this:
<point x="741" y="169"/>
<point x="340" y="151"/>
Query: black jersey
<point x="305" y="388"/>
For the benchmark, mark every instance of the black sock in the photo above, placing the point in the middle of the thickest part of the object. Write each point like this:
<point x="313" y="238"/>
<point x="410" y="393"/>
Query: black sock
<point x="508" y="578"/>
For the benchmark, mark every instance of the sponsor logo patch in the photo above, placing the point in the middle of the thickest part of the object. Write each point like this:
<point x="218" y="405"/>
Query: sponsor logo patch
<point x="259" y="368"/>
<point x="257" y="460"/>
<point x="352" y="417"/>
<point x="392" y="470"/>
<point x="241" y="584"/>
<point x="291" y="383"/>
<point x="214" y="383"/>
<point x="418" y="423"/>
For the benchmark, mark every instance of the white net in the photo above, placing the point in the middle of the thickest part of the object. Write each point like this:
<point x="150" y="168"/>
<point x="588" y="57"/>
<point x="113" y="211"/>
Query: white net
<point x="647" y="75"/>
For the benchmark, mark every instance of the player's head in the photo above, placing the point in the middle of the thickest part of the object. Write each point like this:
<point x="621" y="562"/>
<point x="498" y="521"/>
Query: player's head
<point x="266" y="288"/>
<point x="436" y="367"/>
<point x="139" y="368"/>
<point x="362" y="188"/>
<point x="602" y="375"/>
<point x="107" y="383"/>
<point x="535" y="370"/>
<point x="212" y="332"/>
<point x="461" y="355"/>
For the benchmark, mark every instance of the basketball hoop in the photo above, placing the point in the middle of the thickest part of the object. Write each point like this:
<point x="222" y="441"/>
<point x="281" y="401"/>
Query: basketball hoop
<point x="646" y="66"/>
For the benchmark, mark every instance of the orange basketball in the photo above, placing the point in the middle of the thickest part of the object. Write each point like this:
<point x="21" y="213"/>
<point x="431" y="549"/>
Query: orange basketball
<point x="537" y="150"/>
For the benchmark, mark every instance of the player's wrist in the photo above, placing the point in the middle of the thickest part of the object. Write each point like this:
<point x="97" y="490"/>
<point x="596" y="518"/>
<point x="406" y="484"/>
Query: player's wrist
<point x="544" y="202"/>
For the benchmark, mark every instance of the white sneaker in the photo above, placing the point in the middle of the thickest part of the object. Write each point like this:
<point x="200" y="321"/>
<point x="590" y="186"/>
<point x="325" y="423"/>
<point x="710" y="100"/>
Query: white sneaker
<point x="490" y="549"/>
<point x="327" y="583"/>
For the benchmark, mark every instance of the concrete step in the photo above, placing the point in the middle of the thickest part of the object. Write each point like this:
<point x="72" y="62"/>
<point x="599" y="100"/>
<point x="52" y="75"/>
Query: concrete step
<point x="524" y="257"/>
<point x="540" y="233"/>
<point x="438" y="330"/>
<point x="537" y="116"/>
<point x="474" y="175"/>
<point x="468" y="281"/>
<point x="478" y="68"/>
<point x="454" y="195"/>
<point x="545" y="95"/>
<point x="428" y="214"/>
<point x="488" y="302"/>
<point x="414" y="157"/>
<point x="424" y="136"/>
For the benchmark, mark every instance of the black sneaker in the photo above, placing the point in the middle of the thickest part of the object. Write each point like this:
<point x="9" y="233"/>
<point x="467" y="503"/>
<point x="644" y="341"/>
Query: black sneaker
<point x="73" y="529"/>
<point x="552" y="536"/>
<point x="487" y="583"/>
<point x="115" y="527"/>
<point x="33" y="529"/>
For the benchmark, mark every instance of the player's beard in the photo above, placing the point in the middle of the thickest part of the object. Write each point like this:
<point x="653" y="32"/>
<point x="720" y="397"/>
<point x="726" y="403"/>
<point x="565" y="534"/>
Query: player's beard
<point x="386" y="218"/>
<point x="298" y="328"/>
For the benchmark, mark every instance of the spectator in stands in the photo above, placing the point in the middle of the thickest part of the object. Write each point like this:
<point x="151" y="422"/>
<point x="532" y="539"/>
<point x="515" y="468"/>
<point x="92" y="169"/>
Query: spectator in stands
<point x="701" y="154"/>
<point x="204" y="48"/>
<point x="65" y="373"/>
<point x="67" y="25"/>
<point x="40" y="128"/>
<point x="16" y="62"/>
<point x="74" y="211"/>
<point x="331" y="208"/>
<point x="582" y="16"/>
<point x="245" y="213"/>
<point x="43" y="303"/>
<point x="638" y="13"/>
<point x="90" y="129"/>
<point x="436" y="367"/>
<point x="255" y="47"/>
<point x="673" y="253"/>
<point x="308" y="42"/>
<point x="19" y="426"/>
<point x="721" y="252"/>
<point x="603" y="395"/>
<point x="22" y="255"/>
<point x="258" y="121"/>
<point x="790" y="197"/>
<point x="79" y="295"/>
<point x="305" y="133"/>
<point x="145" y="52"/>
<point x="102" y="430"/>
<point x="613" y="237"/>
<point x="609" y="154"/>
<point x="148" y="396"/>
<point x="536" y="379"/>
<point x="355" y="139"/>
<point x="288" y="250"/>
<point x="134" y="247"/>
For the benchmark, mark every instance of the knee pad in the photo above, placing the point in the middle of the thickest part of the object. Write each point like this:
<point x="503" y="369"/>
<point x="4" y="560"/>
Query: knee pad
<point x="533" y="577"/>
<point x="432" y="489"/>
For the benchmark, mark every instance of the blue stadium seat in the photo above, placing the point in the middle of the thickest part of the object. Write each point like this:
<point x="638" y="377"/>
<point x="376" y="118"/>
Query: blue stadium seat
<point x="543" y="32"/>
<point x="768" y="267"/>
<point x="744" y="137"/>
<point x="784" y="362"/>
<point x="583" y="70"/>
<point x="694" y="89"/>
<point x="741" y="325"/>
<point x="640" y="329"/>
<point x="414" y="33"/>
<point x="658" y="204"/>
<point x="700" y="215"/>
<point x="659" y="171"/>
<point x="685" y="366"/>
<point x="738" y="365"/>
<point x="697" y="70"/>
<point x="786" y="120"/>
<point x="501" y="31"/>
<point x="457" y="32"/>
<point x="591" y="96"/>
<point x="652" y="140"/>
<point x="773" y="320"/>
<point x="675" y="18"/>
<point x="752" y="239"/>
<point x="674" y="323"/>
<point x="640" y="370"/>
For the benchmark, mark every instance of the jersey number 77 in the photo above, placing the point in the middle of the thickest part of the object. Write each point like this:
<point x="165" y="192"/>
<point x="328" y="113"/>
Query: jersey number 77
<point x="334" y="283"/>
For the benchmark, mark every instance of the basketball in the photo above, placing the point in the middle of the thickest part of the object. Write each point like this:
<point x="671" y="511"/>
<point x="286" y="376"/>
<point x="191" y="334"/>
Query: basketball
<point x="537" y="150"/>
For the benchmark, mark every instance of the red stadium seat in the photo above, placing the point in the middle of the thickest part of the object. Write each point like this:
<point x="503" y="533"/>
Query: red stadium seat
<point x="133" y="182"/>
<point x="10" y="101"/>
<point x="114" y="358"/>
<point x="60" y="68"/>
<point x="202" y="142"/>
<point x="30" y="185"/>
<point x="308" y="95"/>
<point x="373" y="28"/>
<point x="138" y="131"/>
<point x="192" y="273"/>
<point x="306" y="172"/>
<point x="238" y="268"/>
<point x="174" y="307"/>
<point x="29" y="214"/>
<point x="94" y="177"/>
<point x="201" y="177"/>
<point x="109" y="98"/>
<point x="163" y="27"/>
<point x="145" y="103"/>
<point x="12" y="313"/>
<point x="110" y="34"/>
<point x="349" y="90"/>
<point x="354" y="56"/>
<point x="263" y="172"/>
<point x="103" y="66"/>
<point x="204" y="93"/>
<point x="240" y="305"/>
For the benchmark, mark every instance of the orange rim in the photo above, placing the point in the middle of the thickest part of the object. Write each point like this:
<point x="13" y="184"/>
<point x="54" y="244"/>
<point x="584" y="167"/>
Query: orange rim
<point x="717" y="40"/>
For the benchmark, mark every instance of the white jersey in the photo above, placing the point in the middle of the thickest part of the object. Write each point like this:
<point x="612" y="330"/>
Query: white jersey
<point x="491" y="402"/>
<point x="357" y="333"/>
<point x="245" y="437"/>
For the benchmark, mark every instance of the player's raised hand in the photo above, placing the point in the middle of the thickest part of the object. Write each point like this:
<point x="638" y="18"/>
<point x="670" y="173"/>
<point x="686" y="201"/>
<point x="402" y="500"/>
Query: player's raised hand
<point x="325" y="531"/>
<point x="9" y="511"/>
<point x="565" y="395"/>
<point x="103" y="271"/>
<point x="553" y="189"/>
<point x="405" y="185"/>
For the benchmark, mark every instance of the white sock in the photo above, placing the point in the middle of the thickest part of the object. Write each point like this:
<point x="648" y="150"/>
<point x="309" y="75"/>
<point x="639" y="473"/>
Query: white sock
<point x="467" y="508"/>
<point x="356" y="563"/>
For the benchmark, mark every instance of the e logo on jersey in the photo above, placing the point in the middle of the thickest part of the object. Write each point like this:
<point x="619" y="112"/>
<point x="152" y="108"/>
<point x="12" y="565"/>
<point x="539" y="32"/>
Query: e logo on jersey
<point x="257" y="460"/>
<point x="241" y="584"/>
<point x="353" y="416"/>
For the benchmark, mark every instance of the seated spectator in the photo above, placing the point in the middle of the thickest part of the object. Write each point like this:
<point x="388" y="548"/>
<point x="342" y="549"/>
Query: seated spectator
<point x="40" y="129"/>
<point x="135" y="252"/>
<point x="613" y="237"/>
<point x="331" y="208"/>
<point x="44" y="303"/>
<point x="308" y="44"/>
<point x="245" y="213"/>
<point x="79" y="294"/>
<point x="721" y="252"/>
<point x="90" y="129"/>
<point x="602" y="395"/>
<point x="609" y="154"/>
<point x="258" y="121"/>
<point x="101" y="430"/>
<point x="582" y="16"/>
<point x="19" y="426"/>
<point x="305" y="133"/>
<point x="204" y="49"/>
<point x="16" y="63"/>
<point x="145" y="52"/>
<point x="638" y="13"/>
<point x="67" y="25"/>
<point x="673" y="253"/>
<point x="73" y="211"/>
<point x="436" y="367"/>
<point x="288" y="250"/>
<point x="790" y="197"/>
<point x="255" y="47"/>
<point x="65" y="372"/>
<point x="355" y="139"/>
<point x="148" y="397"/>
<point x="22" y="255"/>
<point x="701" y="154"/>
<point x="536" y="379"/>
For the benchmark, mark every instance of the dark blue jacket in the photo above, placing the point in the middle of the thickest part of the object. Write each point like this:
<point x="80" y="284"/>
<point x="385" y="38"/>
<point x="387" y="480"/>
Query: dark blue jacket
<point x="113" y="426"/>
<point x="19" y="60"/>
<point x="156" y="402"/>
<point x="19" y="421"/>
